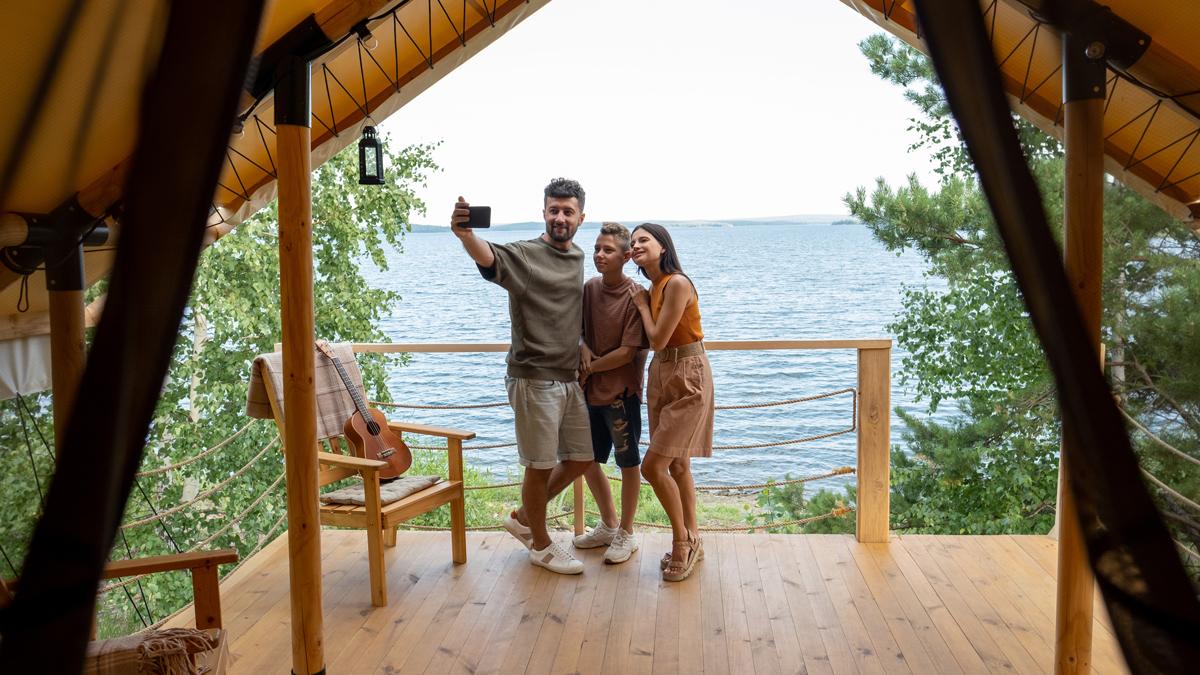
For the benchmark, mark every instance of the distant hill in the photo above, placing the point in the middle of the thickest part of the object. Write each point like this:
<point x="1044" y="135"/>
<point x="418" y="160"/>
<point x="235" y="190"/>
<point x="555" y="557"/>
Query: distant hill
<point x="799" y="219"/>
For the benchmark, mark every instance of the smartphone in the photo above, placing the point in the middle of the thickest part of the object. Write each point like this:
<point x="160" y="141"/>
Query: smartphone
<point x="480" y="216"/>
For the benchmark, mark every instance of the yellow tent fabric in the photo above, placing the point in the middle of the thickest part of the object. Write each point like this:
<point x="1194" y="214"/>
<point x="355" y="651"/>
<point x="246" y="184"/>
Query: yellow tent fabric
<point x="78" y="141"/>
<point x="1152" y="114"/>
<point x="88" y="123"/>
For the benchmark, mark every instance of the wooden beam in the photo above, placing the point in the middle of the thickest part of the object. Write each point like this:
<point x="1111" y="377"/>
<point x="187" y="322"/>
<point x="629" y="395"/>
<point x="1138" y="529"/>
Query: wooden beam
<point x="68" y="355"/>
<point x="1083" y="250"/>
<point x="874" y="444"/>
<point x="13" y="230"/>
<point x="32" y="324"/>
<point x="167" y="563"/>
<point x="300" y="396"/>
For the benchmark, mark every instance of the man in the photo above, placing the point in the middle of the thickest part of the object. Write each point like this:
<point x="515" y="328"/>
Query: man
<point x="544" y="280"/>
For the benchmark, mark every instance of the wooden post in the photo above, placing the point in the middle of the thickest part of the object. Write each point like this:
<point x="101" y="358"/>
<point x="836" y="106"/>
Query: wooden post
<point x="1083" y="240"/>
<point x="874" y="444"/>
<point x="579" y="506"/>
<point x="294" y="161"/>
<point x="458" y="510"/>
<point x="206" y="596"/>
<point x="67" y="355"/>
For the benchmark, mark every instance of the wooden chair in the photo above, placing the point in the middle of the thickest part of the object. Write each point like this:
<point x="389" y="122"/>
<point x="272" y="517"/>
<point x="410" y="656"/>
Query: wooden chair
<point x="381" y="520"/>
<point x="206" y="596"/>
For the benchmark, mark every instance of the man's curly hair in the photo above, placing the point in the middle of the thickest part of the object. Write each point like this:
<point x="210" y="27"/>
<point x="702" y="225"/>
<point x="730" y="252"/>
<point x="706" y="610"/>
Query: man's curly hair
<point x="565" y="188"/>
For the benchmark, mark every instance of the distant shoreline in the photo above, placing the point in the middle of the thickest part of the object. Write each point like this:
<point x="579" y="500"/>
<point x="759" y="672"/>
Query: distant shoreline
<point x="808" y="219"/>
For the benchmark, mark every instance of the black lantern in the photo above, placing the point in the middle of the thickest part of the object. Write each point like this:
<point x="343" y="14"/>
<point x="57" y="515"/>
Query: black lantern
<point x="370" y="158"/>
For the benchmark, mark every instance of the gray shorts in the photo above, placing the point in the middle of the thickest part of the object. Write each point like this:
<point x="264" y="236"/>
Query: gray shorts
<point x="551" y="419"/>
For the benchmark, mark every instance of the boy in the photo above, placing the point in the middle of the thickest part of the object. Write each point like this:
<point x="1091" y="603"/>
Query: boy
<point x="612" y="360"/>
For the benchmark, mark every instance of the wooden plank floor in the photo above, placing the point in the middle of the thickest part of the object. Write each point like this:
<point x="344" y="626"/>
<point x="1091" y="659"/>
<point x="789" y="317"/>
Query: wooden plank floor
<point x="757" y="604"/>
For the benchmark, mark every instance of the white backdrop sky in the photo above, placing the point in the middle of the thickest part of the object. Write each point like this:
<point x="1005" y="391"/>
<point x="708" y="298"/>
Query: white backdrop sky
<point x="666" y="109"/>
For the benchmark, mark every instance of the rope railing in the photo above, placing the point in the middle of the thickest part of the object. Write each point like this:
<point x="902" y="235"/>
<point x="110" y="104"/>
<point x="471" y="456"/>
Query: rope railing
<point x="417" y="406"/>
<point x="465" y="447"/>
<point x="210" y="539"/>
<point x="476" y="528"/>
<point x="203" y="495"/>
<point x="219" y="446"/>
<point x="1186" y="549"/>
<point x="744" y="446"/>
<point x="837" y="512"/>
<point x="840" y="471"/>
<point x="1165" y="445"/>
<point x="1167" y="488"/>
<point x="742" y="406"/>
<point x="500" y="404"/>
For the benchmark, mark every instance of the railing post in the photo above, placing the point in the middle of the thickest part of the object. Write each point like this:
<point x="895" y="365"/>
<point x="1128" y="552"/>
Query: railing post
<point x="579" y="511"/>
<point x="874" y="444"/>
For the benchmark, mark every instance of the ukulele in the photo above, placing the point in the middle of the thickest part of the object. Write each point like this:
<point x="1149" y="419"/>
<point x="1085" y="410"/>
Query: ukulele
<point x="367" y="428"/>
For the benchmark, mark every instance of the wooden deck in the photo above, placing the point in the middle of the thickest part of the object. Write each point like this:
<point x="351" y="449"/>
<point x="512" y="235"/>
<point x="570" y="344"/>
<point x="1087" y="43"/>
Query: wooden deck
<point x="758" y="604"/>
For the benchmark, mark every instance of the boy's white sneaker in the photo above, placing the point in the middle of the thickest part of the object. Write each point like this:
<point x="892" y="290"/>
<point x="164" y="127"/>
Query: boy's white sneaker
<point x="623" y="545"/>
<point x="556" y="559"/>
<point x="600" y="535"/>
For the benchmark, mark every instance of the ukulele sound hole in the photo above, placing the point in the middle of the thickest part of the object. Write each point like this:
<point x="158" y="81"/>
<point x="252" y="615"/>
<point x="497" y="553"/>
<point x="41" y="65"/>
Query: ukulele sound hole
<point x="373" y="428"/>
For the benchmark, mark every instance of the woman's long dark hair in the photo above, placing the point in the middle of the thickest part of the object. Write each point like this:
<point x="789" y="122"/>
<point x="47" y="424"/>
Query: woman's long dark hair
<point x="668" y="263"/>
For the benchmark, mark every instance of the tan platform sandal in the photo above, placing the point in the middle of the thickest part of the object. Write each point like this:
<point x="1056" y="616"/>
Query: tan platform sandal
<point x="678" y="571"/>
<point x="666" y="559"/>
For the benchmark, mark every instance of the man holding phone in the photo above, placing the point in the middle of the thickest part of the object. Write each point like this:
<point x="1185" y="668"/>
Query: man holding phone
<point x="544" y="280"/>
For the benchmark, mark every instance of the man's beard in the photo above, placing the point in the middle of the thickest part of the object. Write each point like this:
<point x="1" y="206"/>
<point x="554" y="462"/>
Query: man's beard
<point x="564" y="236"/>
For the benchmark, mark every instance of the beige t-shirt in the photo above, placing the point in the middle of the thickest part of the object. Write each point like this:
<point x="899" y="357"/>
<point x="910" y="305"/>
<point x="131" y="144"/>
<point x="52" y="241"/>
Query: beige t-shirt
<point x="611" y="320"/>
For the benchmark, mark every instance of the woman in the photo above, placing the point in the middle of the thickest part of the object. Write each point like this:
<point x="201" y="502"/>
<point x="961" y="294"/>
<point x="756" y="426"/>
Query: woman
<point x="679" y="391"/>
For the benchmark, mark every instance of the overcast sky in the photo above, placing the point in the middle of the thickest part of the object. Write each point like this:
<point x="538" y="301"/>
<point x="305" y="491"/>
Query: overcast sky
<point x="666" y="109"/>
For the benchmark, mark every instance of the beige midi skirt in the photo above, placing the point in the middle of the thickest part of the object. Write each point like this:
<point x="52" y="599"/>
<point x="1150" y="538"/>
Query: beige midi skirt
<point x="680" y="403"/>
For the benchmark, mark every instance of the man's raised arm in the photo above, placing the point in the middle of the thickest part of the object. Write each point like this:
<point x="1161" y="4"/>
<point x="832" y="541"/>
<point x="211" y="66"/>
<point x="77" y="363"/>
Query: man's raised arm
<point x="477" y="248"/>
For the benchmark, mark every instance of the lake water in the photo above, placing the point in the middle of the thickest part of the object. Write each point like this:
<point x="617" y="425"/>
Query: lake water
<point x="756" y="282"/>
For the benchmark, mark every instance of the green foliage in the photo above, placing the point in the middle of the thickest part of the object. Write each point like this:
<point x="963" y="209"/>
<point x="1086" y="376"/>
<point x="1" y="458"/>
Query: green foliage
<point x="994" y="467"/>
<point x="233" y="315"/>
<point x="781" y="503"/>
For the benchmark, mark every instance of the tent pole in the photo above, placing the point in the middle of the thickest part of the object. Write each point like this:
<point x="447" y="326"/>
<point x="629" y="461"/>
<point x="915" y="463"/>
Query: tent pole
<point x="1083" y="86"/>
<point x="64" y="285"/>
<point x="292" y="114"/>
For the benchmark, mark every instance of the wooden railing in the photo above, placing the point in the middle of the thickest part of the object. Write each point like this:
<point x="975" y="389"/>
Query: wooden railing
<point x="873" y="423"/>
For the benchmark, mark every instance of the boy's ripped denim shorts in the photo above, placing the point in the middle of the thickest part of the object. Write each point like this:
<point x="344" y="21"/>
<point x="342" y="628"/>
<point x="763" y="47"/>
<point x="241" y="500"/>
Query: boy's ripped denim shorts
<point x="617" y="425"/>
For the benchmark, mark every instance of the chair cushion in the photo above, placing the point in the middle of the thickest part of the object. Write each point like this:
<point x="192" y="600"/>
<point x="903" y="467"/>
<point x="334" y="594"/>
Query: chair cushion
<point x="392" y="491"/>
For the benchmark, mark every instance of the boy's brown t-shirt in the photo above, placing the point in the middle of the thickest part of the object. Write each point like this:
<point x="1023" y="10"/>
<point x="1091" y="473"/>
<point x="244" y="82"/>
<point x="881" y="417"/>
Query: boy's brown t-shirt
<point x="610" y="320"/>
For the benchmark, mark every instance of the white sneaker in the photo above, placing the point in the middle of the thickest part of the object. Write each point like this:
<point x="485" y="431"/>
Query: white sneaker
<point x="556" y="559"/>
<point x="522" y="533"/>
<point x="600" y="535"/>
<point x="623" y="545"/>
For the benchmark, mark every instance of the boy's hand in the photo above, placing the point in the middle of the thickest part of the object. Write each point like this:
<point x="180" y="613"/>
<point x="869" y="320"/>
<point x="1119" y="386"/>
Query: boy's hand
<point x="459" y="218"/>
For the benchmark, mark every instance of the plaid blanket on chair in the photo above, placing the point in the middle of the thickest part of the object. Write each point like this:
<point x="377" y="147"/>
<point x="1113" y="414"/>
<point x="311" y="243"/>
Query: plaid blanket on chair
<point x="334" y="405"/>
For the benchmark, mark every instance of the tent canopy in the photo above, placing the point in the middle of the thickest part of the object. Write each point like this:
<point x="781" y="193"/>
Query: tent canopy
<point x="74" y="83"/>
<point x="1152" y="113"/>
<point x="84" y="130"/>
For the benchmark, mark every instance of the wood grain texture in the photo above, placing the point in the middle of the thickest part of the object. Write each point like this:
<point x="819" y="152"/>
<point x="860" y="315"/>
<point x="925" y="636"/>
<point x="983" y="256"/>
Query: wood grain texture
<point x="757" y="603"/>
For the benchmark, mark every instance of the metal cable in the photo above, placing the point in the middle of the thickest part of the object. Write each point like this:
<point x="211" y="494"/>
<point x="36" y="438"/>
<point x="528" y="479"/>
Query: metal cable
<point x="199" y="545"/>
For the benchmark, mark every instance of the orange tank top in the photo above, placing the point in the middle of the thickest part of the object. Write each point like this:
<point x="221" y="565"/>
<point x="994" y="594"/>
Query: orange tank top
<point x="688" y="329"/>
